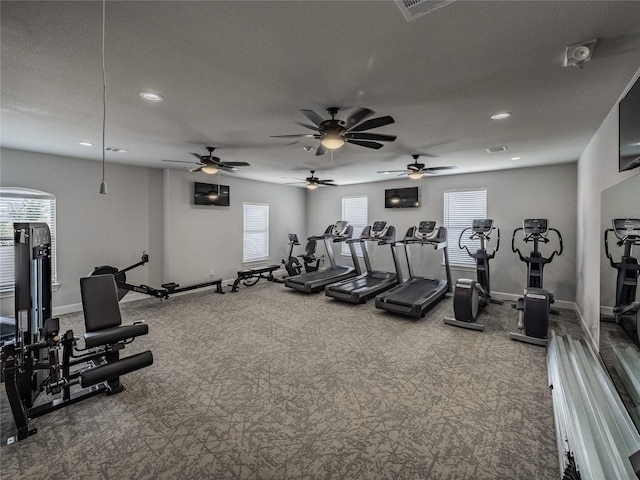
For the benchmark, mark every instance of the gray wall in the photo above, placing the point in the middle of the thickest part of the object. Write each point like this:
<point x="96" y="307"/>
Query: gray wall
<point x="146" y="210"/>
<point x="548" y="192"/>
<point x="200" y="239"/>
<point x="597" y="172"/>
<point x="93" y="229"/>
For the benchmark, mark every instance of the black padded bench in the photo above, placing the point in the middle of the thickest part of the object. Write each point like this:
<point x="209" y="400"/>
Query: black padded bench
<point x="251" y="276"/>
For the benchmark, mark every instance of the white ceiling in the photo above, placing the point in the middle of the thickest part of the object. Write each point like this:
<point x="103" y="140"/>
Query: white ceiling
<point x="233" y="73"/>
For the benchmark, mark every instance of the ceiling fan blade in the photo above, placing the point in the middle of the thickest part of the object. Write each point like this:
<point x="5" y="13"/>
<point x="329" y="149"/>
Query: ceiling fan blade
<point x="321" y="150"/>
<point x="198" y="156"/>
<point x="356" y="117"/>
<point x="327" y="182"/>
<point x="195" y="170"/>
<point x="235" y="164"/>
<point x="305" y="125"/>
<point x="373" y="123"/>
<point x="365" y="143"/>
<point x="308" y="135"/>
<point x="313" y="116"/>
<point x="370" y="136"/>
<point x="434" y="169"/>
<point x="391" y="171"/>
<point x="182" y="161"/>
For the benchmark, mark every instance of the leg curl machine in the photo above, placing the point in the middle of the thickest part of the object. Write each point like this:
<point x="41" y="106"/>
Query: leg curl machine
<point x="470" y="295"/>
<point x="42" y="359"/>
<point x="627" y="309"/>
<point x="535" y="306"/>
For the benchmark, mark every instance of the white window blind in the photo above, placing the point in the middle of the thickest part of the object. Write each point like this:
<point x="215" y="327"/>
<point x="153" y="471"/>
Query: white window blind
<point x="23" y="205"/>
<point x="460" y="208"/>
<point x="255" y="237"/>
<point x="354" y="210"/>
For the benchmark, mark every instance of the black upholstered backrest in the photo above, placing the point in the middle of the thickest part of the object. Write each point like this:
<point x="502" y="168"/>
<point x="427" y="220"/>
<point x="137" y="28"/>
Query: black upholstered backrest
<point x="100" y="302"/>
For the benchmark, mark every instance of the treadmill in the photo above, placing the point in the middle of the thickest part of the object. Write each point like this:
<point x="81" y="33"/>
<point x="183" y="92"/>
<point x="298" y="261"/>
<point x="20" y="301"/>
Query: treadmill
<point x="370" y="283"/>
<point x="315" y="281"/>
<point x="415" y="296"/>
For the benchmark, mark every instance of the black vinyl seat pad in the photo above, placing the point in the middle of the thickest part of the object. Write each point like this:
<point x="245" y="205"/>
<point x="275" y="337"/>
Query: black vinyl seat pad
<point x="112" y="335"/>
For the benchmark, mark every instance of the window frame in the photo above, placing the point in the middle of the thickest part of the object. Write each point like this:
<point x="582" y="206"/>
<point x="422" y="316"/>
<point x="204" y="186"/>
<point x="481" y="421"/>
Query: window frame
<point x="357" y="228"/>
<point x="261" y="229"/>
<point x="458" y="258"/>
<point x="17" y="195"/>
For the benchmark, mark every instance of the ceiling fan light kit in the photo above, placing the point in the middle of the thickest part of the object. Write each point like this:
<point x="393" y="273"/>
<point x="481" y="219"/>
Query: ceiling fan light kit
<point x="415" y="175"/>
<point x="332" y="141"/>
<point x="209" y="170"/>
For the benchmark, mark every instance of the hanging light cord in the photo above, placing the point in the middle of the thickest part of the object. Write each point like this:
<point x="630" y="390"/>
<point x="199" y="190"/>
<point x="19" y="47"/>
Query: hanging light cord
<point x="103" y="185"/>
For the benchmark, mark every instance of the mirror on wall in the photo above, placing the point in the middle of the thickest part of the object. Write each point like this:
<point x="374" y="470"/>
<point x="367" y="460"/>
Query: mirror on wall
<point x="618" y="350"/>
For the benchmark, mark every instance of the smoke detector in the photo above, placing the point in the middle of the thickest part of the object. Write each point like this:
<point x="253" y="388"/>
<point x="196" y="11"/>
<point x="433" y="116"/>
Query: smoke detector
<point x="577" y="55"/>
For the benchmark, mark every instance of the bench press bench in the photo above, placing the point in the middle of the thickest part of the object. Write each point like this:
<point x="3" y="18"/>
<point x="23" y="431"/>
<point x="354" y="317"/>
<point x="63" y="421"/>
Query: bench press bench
<point x="251" y="276"/>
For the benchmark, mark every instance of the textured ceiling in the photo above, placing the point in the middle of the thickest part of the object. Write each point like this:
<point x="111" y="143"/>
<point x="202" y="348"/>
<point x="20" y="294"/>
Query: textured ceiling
<point x="234" y="73"/>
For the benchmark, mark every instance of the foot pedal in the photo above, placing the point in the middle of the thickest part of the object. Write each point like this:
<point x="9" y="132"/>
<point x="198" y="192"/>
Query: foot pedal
<point x="170" y="287"/>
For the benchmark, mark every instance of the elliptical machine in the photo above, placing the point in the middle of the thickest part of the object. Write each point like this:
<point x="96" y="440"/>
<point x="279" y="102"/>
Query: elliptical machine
<point x="626" y="309"/>
<point x="311" y="262"/>
<point x="534" y="307"/>
<point x="470" y="295"/>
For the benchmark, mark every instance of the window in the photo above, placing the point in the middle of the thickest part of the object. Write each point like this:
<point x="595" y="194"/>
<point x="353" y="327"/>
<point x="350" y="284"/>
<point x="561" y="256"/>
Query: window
<point x="255" y="236"/>
<point x="460" y="208"/>
<point x="354" y="210"/>
<point x="23" y="205"/>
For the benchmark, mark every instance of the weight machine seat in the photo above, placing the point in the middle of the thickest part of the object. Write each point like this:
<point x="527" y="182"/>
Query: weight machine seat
<point x="102" y="319"/>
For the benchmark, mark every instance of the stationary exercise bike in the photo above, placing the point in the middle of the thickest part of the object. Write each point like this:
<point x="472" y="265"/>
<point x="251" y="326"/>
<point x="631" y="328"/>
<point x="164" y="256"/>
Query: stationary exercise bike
<point x="626" y="309"/>
<point x="469" y="295"/>
<point x="535" y="306"/>
<point x="311" y="262"/>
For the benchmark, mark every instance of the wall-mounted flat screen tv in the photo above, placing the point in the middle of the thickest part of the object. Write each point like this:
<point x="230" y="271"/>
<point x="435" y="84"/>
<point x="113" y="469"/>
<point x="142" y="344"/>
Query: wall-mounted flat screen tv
<point x="402" y="197"/>
<point x="211" y="194"/>
<point x="629" y="129"/>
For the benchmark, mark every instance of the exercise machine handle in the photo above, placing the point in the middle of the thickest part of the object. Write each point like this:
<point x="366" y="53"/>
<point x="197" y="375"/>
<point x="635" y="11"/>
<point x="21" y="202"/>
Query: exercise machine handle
<point x="556" y="252"/>
<point x="493" y="254"/>
<point x="513" y="244"/>
<point x="464" y="247"/>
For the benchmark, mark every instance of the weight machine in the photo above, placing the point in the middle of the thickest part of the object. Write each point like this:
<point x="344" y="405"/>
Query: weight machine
<point x="41" y="359"/>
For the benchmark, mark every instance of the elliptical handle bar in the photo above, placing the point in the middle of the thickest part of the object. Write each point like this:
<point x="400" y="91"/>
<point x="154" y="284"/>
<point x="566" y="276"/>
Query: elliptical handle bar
<point x="606" y="246"/>
<point x="493" y="254"/>
<point x="513" y="244"/>
<point x="556" y="252"/>
<point x="464" y="247"/>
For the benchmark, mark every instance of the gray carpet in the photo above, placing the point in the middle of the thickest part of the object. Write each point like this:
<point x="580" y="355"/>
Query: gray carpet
<point x="269" y="383"/>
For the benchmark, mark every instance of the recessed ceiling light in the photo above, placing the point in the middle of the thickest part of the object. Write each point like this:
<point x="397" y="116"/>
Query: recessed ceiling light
<point x="85" y="144"/>
<point x="515" y="158"/>
<point x="152" y="96"/>
<point x="500" y="116"/>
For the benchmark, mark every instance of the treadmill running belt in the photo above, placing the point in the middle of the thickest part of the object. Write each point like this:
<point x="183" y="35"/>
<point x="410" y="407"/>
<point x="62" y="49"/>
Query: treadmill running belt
<point x="413" y="291"/>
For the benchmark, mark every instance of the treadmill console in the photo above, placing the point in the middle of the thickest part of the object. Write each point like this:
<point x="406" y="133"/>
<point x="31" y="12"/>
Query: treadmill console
<point x="535" y="226"/>
<point x="626" y="228"/>
<point x="482" y="225"/>
<point x="426" y="230"/>
<point x="339" y="228"/>
<point x="379" y="229"/>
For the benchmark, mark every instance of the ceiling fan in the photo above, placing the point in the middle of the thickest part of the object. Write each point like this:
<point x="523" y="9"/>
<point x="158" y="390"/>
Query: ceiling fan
<point x="210" y="164"/>
<point x="314" y="182"/>
<point x="416" y="170"/>
<point x="333" y="133"/>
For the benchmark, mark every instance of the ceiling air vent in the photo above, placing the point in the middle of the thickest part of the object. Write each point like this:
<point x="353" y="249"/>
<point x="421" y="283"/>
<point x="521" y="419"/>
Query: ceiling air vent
<point x="412" y="9"/>
<point x="496" y="149"/>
